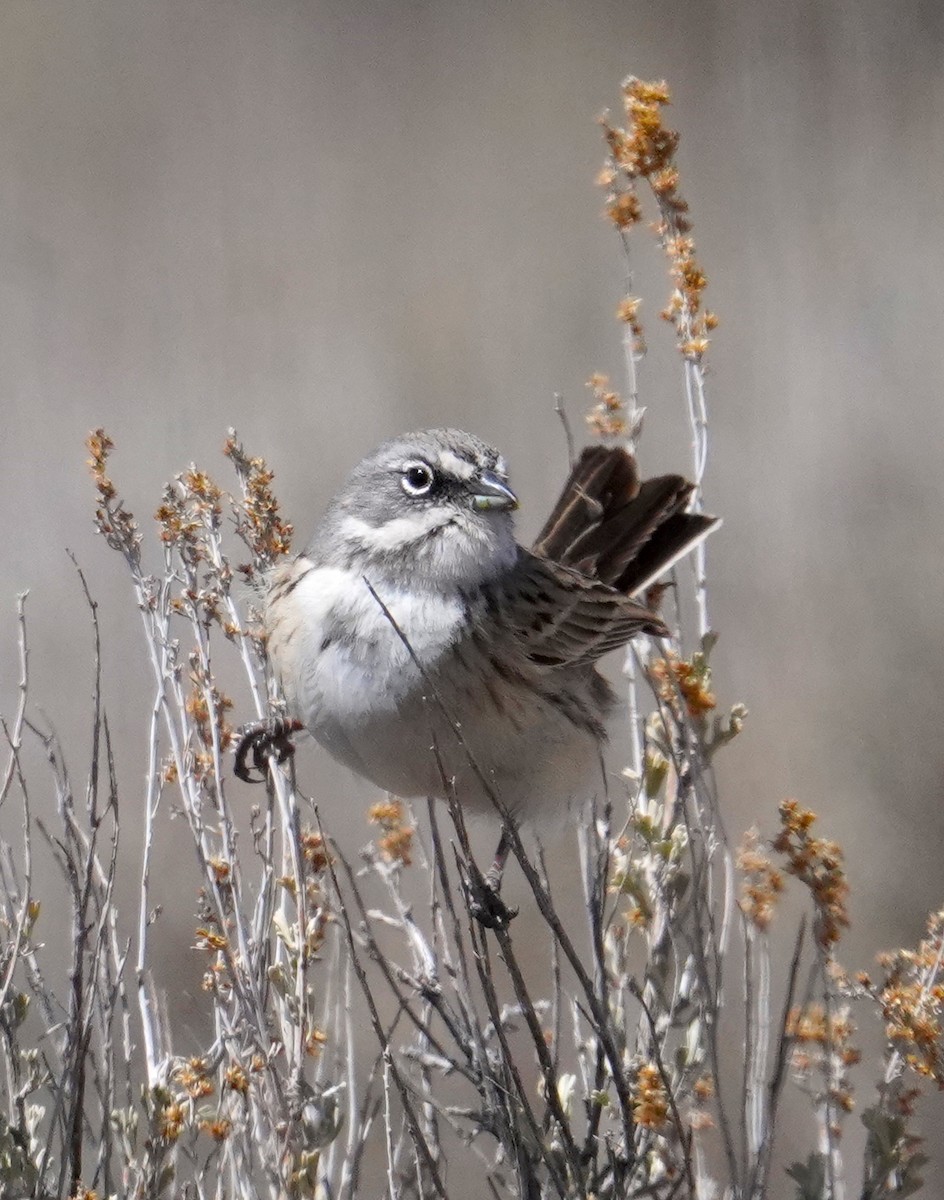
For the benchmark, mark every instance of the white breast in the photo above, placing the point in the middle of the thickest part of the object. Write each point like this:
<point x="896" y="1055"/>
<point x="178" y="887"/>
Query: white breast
<point x="340" y="657"/>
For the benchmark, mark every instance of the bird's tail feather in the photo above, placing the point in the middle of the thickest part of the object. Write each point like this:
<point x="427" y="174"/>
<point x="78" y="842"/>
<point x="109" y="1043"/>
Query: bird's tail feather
<point x="611" y="526"/>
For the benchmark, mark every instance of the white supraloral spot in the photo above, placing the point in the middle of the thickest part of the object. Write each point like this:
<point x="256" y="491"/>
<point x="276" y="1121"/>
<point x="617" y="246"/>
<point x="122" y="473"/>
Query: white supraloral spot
<point x="453" y="464"/>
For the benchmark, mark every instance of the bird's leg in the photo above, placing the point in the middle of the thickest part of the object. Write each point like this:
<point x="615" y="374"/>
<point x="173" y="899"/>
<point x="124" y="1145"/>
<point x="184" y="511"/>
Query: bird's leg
<point x="493" y="876"/>
<point x="263" y="740"/>
<point x="485" y="902"/>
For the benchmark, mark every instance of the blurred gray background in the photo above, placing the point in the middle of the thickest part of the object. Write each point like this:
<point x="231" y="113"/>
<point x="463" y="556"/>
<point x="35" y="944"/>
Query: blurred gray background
<point x="325" y="223"/>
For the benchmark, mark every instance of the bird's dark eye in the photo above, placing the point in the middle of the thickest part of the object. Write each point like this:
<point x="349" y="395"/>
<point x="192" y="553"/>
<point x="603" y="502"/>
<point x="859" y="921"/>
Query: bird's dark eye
<point x="417" y="479"/>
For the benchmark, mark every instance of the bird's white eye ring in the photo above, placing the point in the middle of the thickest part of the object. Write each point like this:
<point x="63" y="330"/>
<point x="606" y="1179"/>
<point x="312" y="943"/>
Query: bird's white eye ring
<point x="417" y="479"/>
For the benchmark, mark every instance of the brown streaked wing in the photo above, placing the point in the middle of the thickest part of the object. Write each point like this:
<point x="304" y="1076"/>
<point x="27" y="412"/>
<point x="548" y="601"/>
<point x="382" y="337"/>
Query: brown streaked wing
<point x="560" y="618"/>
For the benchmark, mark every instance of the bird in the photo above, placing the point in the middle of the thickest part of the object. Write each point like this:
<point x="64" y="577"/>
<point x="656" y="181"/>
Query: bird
<point x="428" y="651"/>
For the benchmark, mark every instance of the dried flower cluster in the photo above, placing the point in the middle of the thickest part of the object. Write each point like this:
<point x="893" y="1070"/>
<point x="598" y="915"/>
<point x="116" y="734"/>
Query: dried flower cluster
<point x="699" y="1114"/>
<point x="627" y="311"/>
<point x="176" y="1109"/>
<point x="650" y="1099"/>
<point x="607" y="417"/>
<point x="818" y="864"/>
<point x="113" y="521"/>
<point x="762" y="885"/>
<point x="817" y="1036"/>
<point x="190" y="505"/>
<point x="208" y="707"/>
<point x="822" y="1054"/>
<point x="396" y="839"/>
<point x="259" y="522"/>
<point x="645" y="150"/>
<point x="688" y="680"/>
<point x="315" y="853"/>
<point x="911" y="996"/>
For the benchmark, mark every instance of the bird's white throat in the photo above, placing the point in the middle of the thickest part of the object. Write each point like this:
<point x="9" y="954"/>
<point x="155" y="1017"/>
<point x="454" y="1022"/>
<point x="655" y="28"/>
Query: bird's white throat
<point x="437" y="547"/>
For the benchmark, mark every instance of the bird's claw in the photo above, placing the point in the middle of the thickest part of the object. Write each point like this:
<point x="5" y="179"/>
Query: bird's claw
<point x="484" y="900"/>
<point x="262" y="741"/>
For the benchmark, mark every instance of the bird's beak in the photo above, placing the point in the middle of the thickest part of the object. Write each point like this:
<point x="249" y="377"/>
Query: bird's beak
<point x="490" y="494"/>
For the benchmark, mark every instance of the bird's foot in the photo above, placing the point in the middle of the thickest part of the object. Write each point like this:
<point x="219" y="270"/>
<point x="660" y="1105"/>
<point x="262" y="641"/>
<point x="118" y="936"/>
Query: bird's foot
<point x="484" y="899"/>
<point x="262" y="741"/>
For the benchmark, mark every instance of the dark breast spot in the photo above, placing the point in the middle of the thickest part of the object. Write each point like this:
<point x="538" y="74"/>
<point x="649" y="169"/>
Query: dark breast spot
<point x="491" y="602"/>
<point x="292" y="584"/>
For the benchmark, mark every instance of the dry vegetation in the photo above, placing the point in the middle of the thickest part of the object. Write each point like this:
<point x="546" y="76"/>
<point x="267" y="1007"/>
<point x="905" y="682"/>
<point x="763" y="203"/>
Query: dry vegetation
<point x="606" y="1077"/>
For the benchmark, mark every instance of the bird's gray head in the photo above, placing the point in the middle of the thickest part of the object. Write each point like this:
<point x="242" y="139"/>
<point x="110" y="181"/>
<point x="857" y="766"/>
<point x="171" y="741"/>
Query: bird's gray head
<point x="432" y="507"/>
